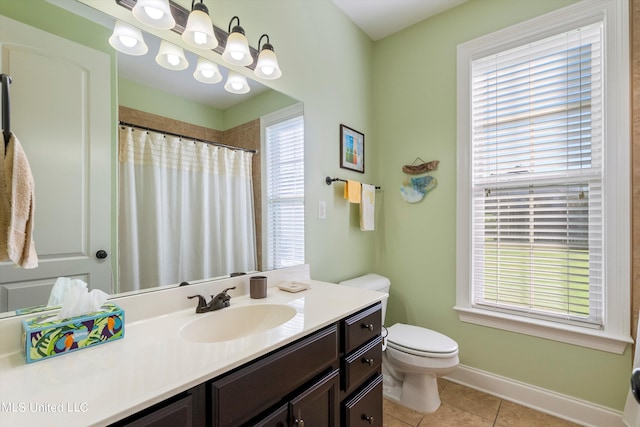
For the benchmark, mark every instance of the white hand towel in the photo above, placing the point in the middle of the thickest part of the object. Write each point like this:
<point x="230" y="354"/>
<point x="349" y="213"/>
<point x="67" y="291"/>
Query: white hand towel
<point x="367" y="207"/>
<point x="17" y="206"/>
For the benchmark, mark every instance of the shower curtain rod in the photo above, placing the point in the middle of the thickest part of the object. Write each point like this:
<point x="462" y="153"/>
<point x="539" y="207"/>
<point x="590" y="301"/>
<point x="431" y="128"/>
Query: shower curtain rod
<point x="218" y="144"/>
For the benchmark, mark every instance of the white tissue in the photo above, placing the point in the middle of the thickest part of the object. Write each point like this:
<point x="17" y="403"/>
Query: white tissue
<point x="79" y="301"/>
<point x="61" y="287"/>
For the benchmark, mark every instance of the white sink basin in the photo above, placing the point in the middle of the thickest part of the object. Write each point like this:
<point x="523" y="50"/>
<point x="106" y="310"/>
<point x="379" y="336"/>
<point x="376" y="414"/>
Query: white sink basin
<point x="232" y="323"/>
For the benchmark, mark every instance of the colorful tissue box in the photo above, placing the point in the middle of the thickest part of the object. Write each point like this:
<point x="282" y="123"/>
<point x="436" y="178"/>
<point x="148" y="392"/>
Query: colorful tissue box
<point x="43" y="338"/>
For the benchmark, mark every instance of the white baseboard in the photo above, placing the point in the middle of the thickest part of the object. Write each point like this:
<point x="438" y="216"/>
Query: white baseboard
<point x="547" y="401"/>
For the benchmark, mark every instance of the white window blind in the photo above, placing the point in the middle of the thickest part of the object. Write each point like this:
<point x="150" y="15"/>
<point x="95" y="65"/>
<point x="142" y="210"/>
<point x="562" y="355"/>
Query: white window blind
<point x="537" y="171"/>
<point x="284" y="149"/>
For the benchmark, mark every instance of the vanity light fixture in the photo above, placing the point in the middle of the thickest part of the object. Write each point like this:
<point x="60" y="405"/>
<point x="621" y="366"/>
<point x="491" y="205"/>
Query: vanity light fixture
<point x="236" y="51"/>
<point x="154" y="13"/>
<point x="199" y="30"/>
<point x="236" y="83"/>
<point x="128" y="39"/>
<point x="267" y="65"/>
<point x="171" y="56"/>
<point x="207" y="72"/>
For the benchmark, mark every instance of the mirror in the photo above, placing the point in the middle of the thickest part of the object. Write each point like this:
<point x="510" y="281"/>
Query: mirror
<point x="260" y="101"/>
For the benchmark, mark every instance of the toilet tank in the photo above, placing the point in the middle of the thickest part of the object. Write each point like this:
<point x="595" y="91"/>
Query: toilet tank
<point x="375" y="282"/>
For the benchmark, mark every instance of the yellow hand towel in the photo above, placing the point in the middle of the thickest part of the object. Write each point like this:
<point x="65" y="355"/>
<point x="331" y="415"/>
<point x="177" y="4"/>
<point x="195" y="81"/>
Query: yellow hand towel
<point x="367" y="207"/>
<point x="17" y="206"/>
<point x="352" y="190"/>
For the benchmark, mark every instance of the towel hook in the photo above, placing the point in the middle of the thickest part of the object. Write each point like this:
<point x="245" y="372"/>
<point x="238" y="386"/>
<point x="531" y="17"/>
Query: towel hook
<point x="6" y="127"/>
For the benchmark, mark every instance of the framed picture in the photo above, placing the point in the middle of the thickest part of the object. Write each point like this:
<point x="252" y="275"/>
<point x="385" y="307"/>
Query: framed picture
<point x="351" y="149"/>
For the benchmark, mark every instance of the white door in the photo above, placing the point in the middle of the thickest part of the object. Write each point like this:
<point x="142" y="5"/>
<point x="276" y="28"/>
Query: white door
<point x="60" y="112"/>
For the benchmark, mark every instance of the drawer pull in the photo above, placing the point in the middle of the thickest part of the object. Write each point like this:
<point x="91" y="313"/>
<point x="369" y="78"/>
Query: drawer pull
<point x="370" y="420"/>
<point x="367" y="326"/>
<point x="368" y="361"/>
<point x="299" y="423"/>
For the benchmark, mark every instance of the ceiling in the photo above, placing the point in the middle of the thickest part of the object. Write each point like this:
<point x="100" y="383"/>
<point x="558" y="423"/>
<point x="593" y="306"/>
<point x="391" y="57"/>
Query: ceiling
<point x="380" y="18"/>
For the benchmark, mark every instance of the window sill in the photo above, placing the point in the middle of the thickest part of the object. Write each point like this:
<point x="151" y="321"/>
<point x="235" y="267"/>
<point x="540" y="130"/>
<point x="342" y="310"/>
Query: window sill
<point x="595" y="339"/>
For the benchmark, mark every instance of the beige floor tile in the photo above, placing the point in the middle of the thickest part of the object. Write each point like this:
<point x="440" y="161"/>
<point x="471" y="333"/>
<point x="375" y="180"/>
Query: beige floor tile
<point x="442" y="383"/>
<point x="470" y="400"/>
<point x="389" y="421"/>
<point x="514" y="415"/>
<point x="450" y="416"/>
<point x="399" y="412"/>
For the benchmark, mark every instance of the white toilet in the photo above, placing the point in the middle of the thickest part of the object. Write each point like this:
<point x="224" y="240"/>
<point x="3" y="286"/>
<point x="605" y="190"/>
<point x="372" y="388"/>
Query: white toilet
<point x="414" y="357"/>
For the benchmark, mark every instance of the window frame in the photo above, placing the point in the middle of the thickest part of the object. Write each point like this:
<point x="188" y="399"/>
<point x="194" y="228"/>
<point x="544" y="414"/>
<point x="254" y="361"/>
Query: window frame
<point x="615" y="334"/>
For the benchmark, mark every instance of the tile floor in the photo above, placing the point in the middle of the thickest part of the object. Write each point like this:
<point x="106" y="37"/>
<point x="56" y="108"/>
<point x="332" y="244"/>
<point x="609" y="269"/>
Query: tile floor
<point x="465" y="407"/>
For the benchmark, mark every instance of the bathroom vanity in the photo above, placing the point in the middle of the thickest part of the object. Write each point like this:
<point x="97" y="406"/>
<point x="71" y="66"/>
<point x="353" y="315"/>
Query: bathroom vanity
<point x="329" y="378"/>
<point x="320" y="367"/>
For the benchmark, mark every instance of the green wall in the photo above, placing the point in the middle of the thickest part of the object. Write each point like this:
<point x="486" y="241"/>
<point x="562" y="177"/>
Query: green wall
<point x="140" y="97"/>
<point x="415" y="115"/>
<point x="326" y="63"/>
<point x="144" y="98"/>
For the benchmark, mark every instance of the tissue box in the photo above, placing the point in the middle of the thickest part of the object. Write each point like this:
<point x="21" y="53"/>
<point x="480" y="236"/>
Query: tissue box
<point x="43" y="338"/>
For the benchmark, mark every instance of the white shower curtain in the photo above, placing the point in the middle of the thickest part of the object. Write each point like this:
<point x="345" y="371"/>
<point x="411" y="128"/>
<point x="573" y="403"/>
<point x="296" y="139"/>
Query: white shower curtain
<point x="185" y="210"/>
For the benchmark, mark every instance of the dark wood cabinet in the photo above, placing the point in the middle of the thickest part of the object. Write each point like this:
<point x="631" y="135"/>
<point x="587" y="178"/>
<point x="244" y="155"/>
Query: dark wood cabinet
<point x="242" y="395"/>
<point x="277" y="418"/>
<point x="184" y="410"/>
<point x="361" y="368"/>
<point x="318" y="405"/>
<point x="331" y="377"/>
<point x="360" y="328"/>
<point x="362" y="364"/>
<point x="364" y="408"/>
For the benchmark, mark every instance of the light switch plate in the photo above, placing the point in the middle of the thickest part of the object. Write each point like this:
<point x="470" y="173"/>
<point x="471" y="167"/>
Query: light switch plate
<point x="322" y="210"/>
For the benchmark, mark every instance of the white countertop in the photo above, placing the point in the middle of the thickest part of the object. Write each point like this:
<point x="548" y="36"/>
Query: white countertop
<point x="103" y="384"/>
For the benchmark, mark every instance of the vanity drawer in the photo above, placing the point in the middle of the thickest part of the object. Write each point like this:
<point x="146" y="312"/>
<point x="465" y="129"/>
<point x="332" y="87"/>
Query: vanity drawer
<point x="361" y="327"/>
<point x="364" y="408"/>
<point x="361" y="364"/>
<point x="240" y="396"/>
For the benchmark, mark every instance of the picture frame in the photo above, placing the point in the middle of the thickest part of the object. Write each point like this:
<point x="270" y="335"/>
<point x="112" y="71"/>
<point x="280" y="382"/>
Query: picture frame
<point x="351" y="149"/>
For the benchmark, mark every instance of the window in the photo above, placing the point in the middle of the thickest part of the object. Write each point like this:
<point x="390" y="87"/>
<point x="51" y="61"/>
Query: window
<point x="539" y="144"/>
<point x="283" y="192"/>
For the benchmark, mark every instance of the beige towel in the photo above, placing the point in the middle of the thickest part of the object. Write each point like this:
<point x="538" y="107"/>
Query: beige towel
<point x="352" y="190"/>
<point x="367" y="207"/>
<point x="16" y="206"/>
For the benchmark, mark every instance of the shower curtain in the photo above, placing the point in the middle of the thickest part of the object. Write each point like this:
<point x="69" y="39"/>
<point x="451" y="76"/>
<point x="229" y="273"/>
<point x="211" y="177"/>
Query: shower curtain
<point x="185" y="210"/>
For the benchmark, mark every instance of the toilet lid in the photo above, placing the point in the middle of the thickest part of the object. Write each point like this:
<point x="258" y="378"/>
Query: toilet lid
<point x="421" y="340"/>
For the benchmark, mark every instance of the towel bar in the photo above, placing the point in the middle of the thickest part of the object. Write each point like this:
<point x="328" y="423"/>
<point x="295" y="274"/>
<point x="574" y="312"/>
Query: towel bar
<point x="328" y="180"/>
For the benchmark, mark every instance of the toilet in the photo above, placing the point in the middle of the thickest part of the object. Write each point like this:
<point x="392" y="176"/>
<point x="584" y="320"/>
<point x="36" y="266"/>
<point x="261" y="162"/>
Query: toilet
<point x="412" y="358"/>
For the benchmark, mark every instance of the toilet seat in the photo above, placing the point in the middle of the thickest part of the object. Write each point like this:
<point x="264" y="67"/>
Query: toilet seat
<point x="420" y="341"/>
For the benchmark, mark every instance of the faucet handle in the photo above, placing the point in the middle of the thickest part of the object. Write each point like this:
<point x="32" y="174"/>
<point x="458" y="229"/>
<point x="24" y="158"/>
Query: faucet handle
<point x="224" y="291"/>
<point x="202" y="303"/>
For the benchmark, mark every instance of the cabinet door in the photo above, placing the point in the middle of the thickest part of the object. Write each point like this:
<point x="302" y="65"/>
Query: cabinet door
<point x="176" y="414"/>
<point x="278" y="418"/>
<point x="317" y="406"/>
<point x="253" y="389"/>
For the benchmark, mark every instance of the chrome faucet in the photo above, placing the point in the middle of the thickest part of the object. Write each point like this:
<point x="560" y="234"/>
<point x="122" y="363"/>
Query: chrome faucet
<point x="222" y="300"/>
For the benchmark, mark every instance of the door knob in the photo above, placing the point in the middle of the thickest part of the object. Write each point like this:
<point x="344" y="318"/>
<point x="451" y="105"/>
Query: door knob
<point x="101" y="254"/>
